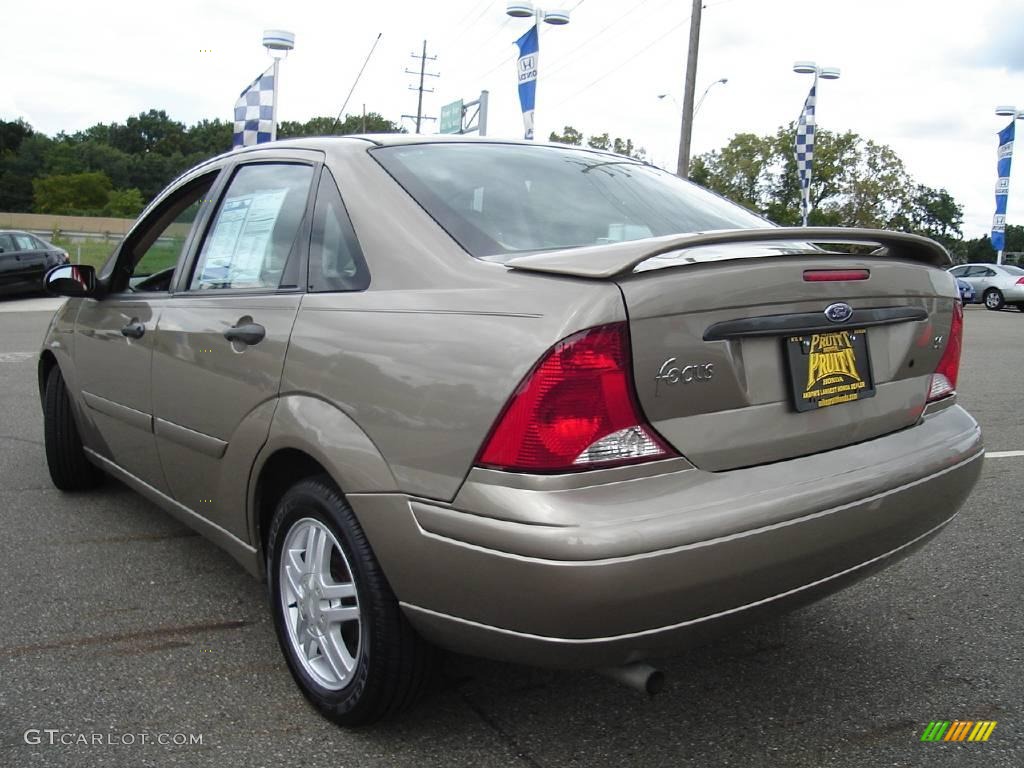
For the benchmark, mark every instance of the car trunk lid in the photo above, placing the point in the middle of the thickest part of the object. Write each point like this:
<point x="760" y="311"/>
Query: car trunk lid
<point x="730" y="335"/>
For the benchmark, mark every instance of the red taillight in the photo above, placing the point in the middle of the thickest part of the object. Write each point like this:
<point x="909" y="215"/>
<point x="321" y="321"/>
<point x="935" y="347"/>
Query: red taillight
<point x="829" y="275"/>
<point x="575" y="410"/>
<point x="1020" y="281"/>
<point x="943" y="381"/>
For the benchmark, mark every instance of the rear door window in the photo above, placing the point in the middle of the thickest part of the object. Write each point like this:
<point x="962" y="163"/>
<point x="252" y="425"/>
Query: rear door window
<point x="254" y="236"/>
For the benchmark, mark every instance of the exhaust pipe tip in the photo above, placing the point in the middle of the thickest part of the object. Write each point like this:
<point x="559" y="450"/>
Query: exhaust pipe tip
<point x="638" y="676"/>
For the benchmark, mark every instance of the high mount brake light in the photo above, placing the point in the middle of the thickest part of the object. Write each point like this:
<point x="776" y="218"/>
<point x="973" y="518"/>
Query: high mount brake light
<point x="575" y="410"/>
<point x="943" y="381"/>
<point x="835" y="275"/>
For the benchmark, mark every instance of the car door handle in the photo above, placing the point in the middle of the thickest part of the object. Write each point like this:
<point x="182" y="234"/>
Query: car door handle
<point x="134" y="330"/>
<point x="250" y="333"/>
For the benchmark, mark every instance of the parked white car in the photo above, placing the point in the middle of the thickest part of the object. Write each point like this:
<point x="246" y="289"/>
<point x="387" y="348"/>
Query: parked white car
<point x="995" y="285"/>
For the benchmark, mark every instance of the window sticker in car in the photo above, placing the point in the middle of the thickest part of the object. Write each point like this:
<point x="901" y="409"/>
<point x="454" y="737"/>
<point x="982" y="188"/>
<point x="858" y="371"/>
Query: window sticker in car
<point x="241" y="238"/>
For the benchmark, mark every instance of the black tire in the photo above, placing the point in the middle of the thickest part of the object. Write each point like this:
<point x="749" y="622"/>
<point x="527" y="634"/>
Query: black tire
<point x="69" y="469"/>
<point x="993" y="299"/>
<point x="393" y="664"/>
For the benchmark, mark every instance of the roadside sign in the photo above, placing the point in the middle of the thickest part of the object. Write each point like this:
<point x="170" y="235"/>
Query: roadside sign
<point x="451" y="117"/>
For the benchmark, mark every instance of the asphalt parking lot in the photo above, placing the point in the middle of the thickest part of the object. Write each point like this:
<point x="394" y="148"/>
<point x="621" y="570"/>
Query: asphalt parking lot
<point x="117" y="620"/>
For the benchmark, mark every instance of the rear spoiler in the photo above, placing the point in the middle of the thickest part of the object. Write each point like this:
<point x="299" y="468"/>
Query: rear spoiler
<point x="604" y="261"/>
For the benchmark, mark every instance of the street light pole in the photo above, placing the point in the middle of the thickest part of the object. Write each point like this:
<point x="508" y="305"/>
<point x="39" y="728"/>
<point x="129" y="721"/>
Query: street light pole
<point x="278" y="43"/>
<point x="524" y="9"/>
<point x="686" y="126"/>
<point x="1014" y="114"/>
<point x="700" y="101"/>
<point x="823" y="73"/>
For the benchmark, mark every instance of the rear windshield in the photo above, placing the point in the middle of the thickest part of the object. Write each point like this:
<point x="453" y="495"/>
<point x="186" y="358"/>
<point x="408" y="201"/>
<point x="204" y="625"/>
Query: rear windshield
<point x="1013" y="270"/>
<point x="499" y="199"/>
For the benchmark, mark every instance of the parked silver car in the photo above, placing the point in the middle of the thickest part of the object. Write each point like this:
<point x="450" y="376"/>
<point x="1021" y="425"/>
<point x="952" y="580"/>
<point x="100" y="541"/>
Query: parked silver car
<point x="995" y="285"/>
<point x="537" y="403"/>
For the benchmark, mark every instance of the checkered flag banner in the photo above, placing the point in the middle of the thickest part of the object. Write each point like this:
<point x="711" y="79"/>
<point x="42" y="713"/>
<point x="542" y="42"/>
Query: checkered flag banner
<point x="254" y="112"/>
<point x="805" y="152"/>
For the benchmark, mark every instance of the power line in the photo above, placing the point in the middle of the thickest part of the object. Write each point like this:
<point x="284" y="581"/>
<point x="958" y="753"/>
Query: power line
<point x="471" y="52"/>
<point x="462" y="21"/>
<point x="507" y="60"/>
<point x="476" y="20"/>
<point x="511" y="56"/>
<point x="567" y="59"/>
<point x="645" y="49"/>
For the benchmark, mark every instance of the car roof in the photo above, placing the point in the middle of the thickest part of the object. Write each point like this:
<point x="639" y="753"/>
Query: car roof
<point x="399" y="139"/>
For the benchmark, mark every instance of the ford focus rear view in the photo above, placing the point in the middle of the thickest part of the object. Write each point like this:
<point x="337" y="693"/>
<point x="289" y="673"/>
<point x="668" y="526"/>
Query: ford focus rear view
<point x="534" y="403"/>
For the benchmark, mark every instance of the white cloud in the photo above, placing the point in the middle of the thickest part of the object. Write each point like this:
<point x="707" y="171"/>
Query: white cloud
<point x="920" y="76"/>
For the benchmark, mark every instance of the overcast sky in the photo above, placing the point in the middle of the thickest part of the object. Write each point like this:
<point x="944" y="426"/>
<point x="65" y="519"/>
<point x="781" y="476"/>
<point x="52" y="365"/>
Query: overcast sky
<point x="920" y="75"/>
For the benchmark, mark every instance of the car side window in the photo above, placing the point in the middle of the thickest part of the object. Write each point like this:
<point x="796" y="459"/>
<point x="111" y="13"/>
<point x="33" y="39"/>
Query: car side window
<point x="335" y="260"/>
<point x="148" y="259"/>
<point x="24" y="243"/>
<point x="959" y="271"/>
<point x="986" y="272"/>
<point x="7" y="243"/>
<point x="254" y="233"/>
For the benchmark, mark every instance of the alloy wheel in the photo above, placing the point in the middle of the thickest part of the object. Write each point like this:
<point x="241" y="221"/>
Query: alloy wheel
<point x="993" y="300"/>
<point x="320" y="603"/>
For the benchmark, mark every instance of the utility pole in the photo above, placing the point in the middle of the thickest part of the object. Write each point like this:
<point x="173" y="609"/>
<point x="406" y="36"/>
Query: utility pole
<point x="686" y="127"/>
<point x="419" y="117"/>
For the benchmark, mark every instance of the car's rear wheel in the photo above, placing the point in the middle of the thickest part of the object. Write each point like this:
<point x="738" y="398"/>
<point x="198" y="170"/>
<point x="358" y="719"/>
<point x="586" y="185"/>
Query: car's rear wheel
<point x="346" y="641"/>
<point x="69" y="469"/>
<point x="994" y="299"/>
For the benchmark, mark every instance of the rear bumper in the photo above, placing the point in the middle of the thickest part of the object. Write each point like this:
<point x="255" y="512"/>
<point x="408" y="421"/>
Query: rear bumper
<point x="1014" y="294"/>
<point x="608" y="574"/>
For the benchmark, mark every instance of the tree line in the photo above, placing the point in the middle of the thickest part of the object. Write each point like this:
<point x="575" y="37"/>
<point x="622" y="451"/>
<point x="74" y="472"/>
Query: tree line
<point x="114" y="169"/>
<point x="857" y="182"/>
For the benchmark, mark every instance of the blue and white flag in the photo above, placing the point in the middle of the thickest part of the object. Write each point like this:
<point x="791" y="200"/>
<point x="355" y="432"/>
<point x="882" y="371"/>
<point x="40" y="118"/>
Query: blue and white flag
<point x="805" y="152"/>
<point x="526" y="69"/>
<point x="254" y="112"/>
<point x="1004" y="157"/>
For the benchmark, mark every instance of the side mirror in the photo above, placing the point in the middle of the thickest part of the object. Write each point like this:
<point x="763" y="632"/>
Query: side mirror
<point x="71" y="280"/>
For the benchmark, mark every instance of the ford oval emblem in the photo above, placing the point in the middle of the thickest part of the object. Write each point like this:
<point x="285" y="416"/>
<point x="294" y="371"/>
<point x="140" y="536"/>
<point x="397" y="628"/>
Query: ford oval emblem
<point x="839" y="312"/>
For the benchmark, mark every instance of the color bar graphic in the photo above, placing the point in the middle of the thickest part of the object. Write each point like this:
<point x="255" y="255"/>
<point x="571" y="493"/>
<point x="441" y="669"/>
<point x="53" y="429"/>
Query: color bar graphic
<point x="958" y="730"/>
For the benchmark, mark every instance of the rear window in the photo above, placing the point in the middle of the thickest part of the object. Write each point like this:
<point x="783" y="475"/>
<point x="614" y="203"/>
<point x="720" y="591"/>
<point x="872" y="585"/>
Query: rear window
<point x="1013" y="270"/>
<point x="499" y="199"/>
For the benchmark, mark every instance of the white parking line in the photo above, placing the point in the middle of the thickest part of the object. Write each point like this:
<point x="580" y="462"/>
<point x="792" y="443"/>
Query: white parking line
<point x="15" y="357"/>
<point x="1003" y="454"/>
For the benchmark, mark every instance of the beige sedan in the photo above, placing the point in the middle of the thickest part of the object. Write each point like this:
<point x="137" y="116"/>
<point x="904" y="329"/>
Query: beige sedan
<point x="536" y="403"/>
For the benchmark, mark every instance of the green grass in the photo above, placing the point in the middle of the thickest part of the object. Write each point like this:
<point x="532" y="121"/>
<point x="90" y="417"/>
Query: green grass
<point x="94" y="252"/>
<point x="160" y="256"/>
